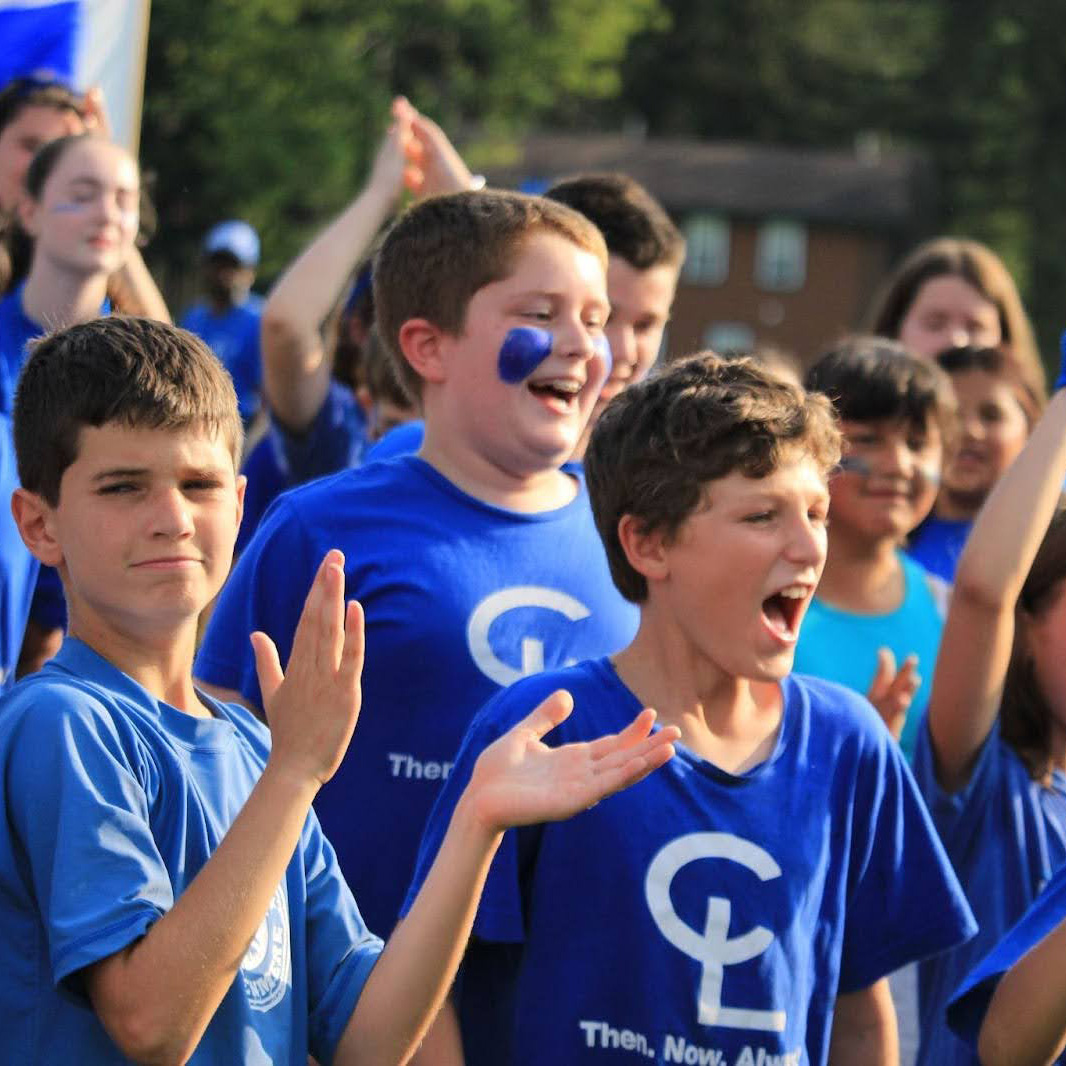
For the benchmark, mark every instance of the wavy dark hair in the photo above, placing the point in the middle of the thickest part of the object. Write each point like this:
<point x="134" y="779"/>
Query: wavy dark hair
<point x="1025" y="713"/>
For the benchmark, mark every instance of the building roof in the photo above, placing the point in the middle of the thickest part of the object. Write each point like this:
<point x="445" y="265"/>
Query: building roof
<point x="749" y="180"/>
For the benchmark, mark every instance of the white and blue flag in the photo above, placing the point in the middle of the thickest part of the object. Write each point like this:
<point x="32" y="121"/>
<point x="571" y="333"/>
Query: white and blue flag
<point x="81" y="43"/>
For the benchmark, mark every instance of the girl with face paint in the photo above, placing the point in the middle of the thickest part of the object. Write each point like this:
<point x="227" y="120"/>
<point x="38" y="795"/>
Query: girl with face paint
<point x="81" y="209"/>
<point x="875" y="608"/>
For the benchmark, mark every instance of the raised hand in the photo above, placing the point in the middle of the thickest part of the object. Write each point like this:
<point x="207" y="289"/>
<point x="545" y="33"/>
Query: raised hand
<point x="396" y="163"/>
<point x="313" y="706"/>
<point x="892" y="690"/>
<point x="440" y="168"/>
<point x="519" y="780"/>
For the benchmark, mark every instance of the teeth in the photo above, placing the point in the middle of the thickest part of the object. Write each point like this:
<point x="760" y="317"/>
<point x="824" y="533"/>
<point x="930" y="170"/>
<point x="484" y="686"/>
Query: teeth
<point x="567" y="385"/>
<point x="794" y="592"/>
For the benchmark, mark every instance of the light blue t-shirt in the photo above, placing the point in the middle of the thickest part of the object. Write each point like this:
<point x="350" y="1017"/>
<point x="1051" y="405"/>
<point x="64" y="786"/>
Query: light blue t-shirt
<point x="114" y="802"/>
<point x="461" y="597"/>
<point x="967" y="1010"/>
<point x="841" y="646"/>
<point x="233" y="336"/>
<point x="1006" y="836"/>
<point x="18" y="569"/>
<point x="702" y="916"/>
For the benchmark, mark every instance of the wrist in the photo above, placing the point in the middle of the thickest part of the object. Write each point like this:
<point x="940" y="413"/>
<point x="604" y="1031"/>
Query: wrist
<point x="470" y="822"/>
<point x="288" y="782"/>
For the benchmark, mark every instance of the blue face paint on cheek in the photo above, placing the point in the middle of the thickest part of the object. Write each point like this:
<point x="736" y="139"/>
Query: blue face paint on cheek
<point x="603" y="346"/>
<point x="67" y="209"/>
<point x="523" y="350"/>
<point x="853" y="464"/>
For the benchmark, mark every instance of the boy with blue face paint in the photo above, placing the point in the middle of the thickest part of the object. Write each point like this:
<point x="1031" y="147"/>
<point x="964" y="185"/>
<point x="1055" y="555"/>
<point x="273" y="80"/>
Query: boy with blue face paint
<point x="476" y="560"/>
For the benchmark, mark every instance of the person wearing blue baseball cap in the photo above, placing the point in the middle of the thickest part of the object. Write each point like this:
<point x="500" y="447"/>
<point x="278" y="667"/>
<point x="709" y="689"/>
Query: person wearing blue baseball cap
<point x="228" y="318"/>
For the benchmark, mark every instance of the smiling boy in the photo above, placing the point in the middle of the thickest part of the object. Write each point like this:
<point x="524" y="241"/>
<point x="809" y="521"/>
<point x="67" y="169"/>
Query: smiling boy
<point x="744" y="905"/>
<point x="165" y="893"/>
<point x="476" y="560"/>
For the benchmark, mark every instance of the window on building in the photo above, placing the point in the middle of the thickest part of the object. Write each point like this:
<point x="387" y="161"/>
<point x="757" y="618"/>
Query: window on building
<point x="707" y="250"/>
<point x="729" y="337"/>
<point x="781" y="256"/>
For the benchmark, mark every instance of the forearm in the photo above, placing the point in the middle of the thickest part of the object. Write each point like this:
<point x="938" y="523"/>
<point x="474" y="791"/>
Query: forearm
<point x="137" y="292"/>
<point x="1012" y="522"/>
<point x="410" y="981"/>
<point x="157" y="997"/>
<point x="1026" y="1020"/>
<point x="294" y="374"/>
<point x="864" y="1028"/>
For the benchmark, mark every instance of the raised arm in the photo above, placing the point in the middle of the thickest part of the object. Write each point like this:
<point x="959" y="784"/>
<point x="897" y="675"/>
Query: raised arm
<point x="296" y="369"/>
<point x="516" y="781"/>
<point x="976" y="646"/>
<point x="156" y="997"/>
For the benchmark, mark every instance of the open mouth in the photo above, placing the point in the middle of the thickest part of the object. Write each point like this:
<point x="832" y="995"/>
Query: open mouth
<point x="561" y="390"/>
<point x="783" y="611"/>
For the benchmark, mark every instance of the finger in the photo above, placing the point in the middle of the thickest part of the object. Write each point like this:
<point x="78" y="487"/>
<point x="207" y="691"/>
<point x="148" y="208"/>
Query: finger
<point x="636" y="731"/>
<point x="620" y="756"/>
<point x="353" y="653"/>
<point x="305" y="638"/>
<point x="629" y="773"/>
<point x="331" y="645"/>
<point x="413" y="179"/>
<point x="267" y="666"/>
<point x="883" y="675"/>
<point x="548" y="714"/>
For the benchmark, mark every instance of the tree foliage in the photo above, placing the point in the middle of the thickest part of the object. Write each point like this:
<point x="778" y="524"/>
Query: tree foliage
<point x="270" y="109"/>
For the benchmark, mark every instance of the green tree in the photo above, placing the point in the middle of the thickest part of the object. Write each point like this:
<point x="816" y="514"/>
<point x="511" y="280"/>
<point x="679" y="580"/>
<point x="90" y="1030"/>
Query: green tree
<point x="270" y="109"/>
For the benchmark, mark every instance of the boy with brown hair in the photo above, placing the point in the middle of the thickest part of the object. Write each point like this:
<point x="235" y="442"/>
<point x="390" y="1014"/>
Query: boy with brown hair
<point x="744" y="905"/>
<point x="645" y="251"/>
<point x="159" y="863"/>
<point x="476" y="560"/>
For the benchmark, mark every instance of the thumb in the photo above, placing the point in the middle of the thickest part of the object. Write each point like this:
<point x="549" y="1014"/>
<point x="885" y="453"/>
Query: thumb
<point x="549" y="713"/>
<point x="883" y="675"/>
<point x="267" y="666"/>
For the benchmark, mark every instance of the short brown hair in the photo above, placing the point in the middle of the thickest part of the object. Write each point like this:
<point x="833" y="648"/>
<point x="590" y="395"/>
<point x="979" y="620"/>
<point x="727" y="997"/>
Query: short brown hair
<point x="134" y="371"/>
<point x="633" y="223"/>
<point x="1000" y="364"/>
<point x="443" y="250"/>
<point x="658" y="444"/>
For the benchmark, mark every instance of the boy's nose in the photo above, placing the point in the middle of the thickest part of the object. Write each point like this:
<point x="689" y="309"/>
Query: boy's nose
<point x="171" y="516"/>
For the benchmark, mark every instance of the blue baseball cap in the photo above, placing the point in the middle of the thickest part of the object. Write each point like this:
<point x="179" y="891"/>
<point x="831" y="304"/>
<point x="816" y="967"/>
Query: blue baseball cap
<point x="237" y="238"/>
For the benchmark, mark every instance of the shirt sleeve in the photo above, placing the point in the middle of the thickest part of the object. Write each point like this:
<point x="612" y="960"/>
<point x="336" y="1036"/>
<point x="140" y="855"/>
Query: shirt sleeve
<point x="76" y="801"/>
<point x="966" y="1012"/>
<point x="265" y="591"/>
<point x="341" y="951"/>
<point x="904" y="901"/>
<point x="335" y="440"/>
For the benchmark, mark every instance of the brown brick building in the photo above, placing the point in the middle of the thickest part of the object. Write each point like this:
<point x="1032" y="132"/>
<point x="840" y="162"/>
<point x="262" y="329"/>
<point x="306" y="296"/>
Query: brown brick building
<point x="785" y="246"/>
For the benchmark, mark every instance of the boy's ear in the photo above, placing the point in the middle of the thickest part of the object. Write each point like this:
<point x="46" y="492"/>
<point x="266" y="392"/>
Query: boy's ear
<point x="645" y="551"/>
<point x="34" y="518"/>
<point x="241" y="485"/>
<point x="421" y="343"/>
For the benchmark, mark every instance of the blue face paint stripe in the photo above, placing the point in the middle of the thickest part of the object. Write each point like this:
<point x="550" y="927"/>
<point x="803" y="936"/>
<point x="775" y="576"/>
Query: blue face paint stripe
<point x="523" y="350"/>
<point x="67" y="209"/>
<point x="603" y="346"/>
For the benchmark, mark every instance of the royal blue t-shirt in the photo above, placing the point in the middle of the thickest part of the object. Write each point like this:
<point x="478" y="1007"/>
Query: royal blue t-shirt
<point x="703" y="916"/>
<point x="967" y="1011"/>
<point x="114" y="801"/>
<point x="461" y="598"/>
<point x="841" y="646"/>
<point x="268" y="478"/>
<point x="233" y="336"/>
<point x="1006" y="836"/>
<point x="937" y="544"/>
<point x="405" y="439"/>
<point x="18" y="569"/>
<point x="17" y="329"/>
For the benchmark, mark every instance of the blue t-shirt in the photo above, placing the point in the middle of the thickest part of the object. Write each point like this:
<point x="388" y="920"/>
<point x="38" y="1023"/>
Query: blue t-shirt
<point x="405" y="439"/>
<point x="1006" y="836"/>
<point x="17" y="329"/>
<point x="967" y="1011"/>
<point x="842" y="646"/>
<point x="460" y="598"/>
<point x="937" y="544"/>
<point x="268" y="478"/>
<point x="114" y="801"/>
<point x="233" y="336"/>
<point x="18" y="569"/>
<point x="703" y="916"/>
